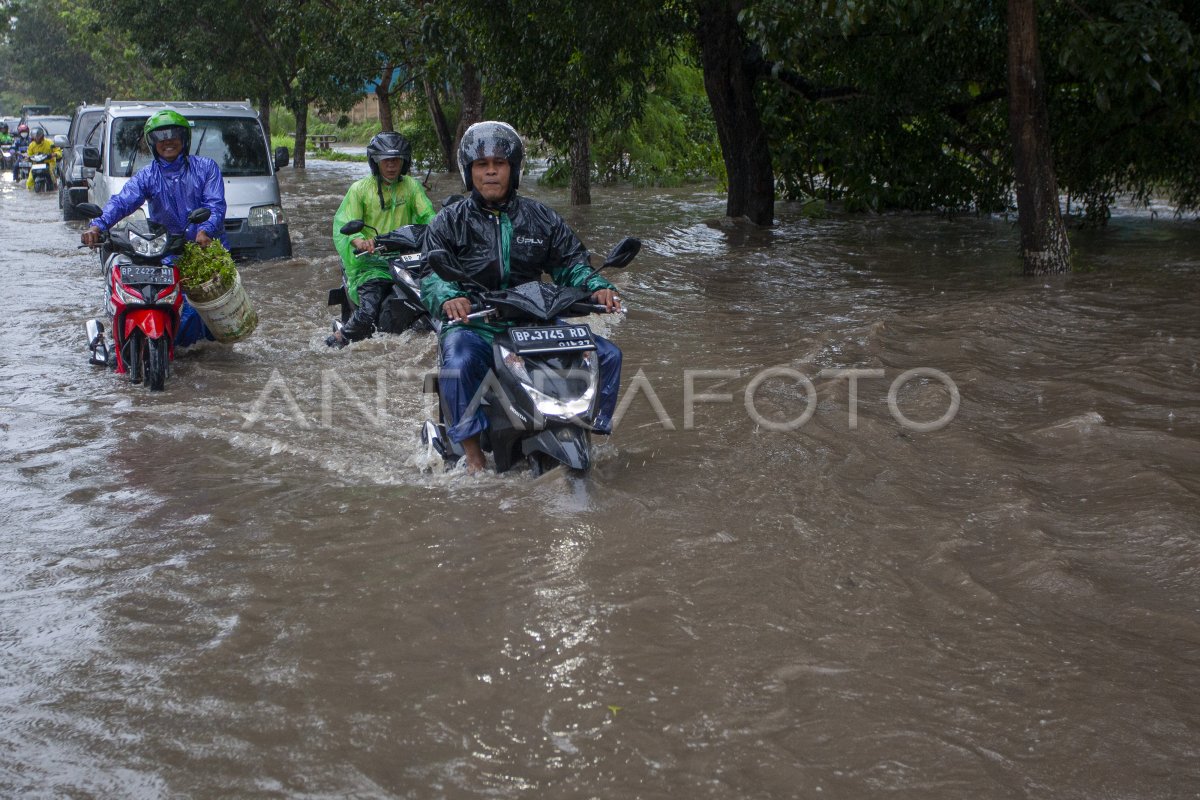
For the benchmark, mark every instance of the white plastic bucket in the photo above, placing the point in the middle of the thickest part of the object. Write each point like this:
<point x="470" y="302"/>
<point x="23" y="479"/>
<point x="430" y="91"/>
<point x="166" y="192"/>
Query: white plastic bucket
<point x="230" y="317"/>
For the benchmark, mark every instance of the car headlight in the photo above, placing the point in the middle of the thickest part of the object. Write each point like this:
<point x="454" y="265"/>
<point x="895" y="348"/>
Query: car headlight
<point x="261" y="216"/>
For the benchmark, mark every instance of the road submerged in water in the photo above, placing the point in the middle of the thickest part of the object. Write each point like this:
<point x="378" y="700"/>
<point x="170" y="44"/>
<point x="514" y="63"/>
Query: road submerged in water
<point x="798" y="568"/>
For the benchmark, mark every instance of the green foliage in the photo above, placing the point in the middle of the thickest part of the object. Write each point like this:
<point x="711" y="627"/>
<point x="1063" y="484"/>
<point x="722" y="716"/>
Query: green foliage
<point x="673" y="141"/>
<point x="199" y="265"/>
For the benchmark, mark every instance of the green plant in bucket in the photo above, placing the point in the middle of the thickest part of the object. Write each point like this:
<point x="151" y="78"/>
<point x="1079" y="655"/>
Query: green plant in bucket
<point x="200" y="265"/>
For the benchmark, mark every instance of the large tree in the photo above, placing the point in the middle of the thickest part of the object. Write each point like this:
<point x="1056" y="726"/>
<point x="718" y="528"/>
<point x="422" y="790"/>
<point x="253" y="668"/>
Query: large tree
<point x="1044" y="244"/>
<point x="732" y="68"/>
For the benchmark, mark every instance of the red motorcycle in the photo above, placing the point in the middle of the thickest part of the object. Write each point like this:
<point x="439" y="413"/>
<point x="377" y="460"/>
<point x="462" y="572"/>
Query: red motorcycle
<point x="143" y="298"/>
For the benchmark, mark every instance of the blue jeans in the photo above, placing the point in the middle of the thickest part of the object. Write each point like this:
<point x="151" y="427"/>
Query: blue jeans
<point x="466" y="360"/>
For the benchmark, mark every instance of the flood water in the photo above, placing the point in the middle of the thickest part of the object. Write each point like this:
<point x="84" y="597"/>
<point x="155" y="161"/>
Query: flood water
<point x="257" y="584"/>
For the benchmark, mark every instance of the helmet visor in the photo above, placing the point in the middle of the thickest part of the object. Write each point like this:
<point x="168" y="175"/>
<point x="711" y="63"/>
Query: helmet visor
<point x="166" y="134"/>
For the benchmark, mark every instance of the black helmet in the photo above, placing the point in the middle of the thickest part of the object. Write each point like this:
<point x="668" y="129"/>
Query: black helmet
<point x="389" y="144"/>
<point x="491" y="140"/>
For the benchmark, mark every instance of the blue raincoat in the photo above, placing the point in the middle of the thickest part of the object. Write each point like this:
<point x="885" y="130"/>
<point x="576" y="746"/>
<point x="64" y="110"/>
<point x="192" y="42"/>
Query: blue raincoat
<point x="172" y="189"/>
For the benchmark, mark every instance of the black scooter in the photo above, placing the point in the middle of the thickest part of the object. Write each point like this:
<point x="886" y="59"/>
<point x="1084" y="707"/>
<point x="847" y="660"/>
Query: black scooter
<point x="541" y="395"/>
<point x="402" y="308"/>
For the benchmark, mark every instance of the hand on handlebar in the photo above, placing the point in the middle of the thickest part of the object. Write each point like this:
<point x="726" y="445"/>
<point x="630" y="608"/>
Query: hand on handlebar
<point x="91" y="237"/>
<point x="607" y="298"/>
<point x="363" y="245"/>
<point x="456" y="309"/>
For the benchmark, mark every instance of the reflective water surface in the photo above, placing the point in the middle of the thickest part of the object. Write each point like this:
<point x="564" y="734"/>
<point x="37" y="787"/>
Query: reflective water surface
<point x="258" y="584"/>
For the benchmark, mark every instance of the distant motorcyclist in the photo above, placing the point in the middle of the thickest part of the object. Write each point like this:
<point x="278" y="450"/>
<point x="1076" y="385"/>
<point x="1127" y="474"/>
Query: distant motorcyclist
<point x="20" y="143"/>
<point x="386" y="199"/>
<point x="6" y="141"/>
<point x="173" y="185"/>
<point x="40" y="145"/>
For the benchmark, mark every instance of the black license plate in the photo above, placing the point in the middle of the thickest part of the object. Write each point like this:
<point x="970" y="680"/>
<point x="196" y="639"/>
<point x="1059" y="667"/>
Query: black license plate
<point x="147" y="276"/>
<point x="556" y="339"/>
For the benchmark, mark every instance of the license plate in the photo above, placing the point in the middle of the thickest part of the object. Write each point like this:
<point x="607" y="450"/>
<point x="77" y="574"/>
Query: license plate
<point x="39" y="167"/>
<point x="152" y="276"/>
<point x="556" y="339"/>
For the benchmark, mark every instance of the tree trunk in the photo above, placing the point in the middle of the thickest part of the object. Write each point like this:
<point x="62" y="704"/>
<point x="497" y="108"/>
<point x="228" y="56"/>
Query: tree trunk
<point x="300" y="109"/>
<point x="581" y="161"/>
<point x="1044" y="244"/>
<point x="472" y="102"/>
<point x="729" y="79"/>
<point x="384" y="93"/>
<point x="440" y="126"/>
<point x="264" y="114"/>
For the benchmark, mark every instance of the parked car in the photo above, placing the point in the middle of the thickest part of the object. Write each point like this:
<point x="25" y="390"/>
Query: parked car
<point x="227" y="132"/>
<point x="72" y="175"/>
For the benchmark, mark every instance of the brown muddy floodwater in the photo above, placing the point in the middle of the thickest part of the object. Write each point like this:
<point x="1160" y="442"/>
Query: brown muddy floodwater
<point x="976" y="580"/>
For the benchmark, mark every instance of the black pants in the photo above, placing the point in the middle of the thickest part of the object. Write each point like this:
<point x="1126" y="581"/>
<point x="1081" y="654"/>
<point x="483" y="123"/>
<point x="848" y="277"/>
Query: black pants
<point x="370" y="301"/>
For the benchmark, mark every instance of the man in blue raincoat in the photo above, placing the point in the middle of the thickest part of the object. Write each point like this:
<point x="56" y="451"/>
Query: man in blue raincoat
<point x="174" y="184"/>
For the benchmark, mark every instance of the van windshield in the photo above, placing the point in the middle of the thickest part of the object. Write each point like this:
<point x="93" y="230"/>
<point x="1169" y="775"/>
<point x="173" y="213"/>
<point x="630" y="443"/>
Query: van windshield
<point x="235" y="143"/>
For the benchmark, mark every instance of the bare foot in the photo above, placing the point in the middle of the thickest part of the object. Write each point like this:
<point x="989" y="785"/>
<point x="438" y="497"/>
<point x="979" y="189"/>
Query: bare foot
<point x="476" y="461"/>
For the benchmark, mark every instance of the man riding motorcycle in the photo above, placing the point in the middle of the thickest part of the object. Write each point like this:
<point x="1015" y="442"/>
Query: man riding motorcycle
<point x="173" y="185"/>
<point x="386" y="199"/>
<point x="501" y="239"/>
<point x="38" y="146"/>
<point x="20" y="143"/>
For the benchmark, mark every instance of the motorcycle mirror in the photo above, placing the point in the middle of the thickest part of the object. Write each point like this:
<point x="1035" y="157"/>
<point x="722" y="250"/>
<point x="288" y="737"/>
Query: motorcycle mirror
<point x="89" y="210"/>
<point x="198" y="215"/>
<point x="352" y="227"/>
<point x="623" y="253"/>
<point x="443" y="265"/>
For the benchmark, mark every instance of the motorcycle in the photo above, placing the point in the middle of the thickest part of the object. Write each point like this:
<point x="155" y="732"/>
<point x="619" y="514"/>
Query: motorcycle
<point x="541" y="396"/>
<point x="39" y="165"/>
<point x="143" y="298"/>
<point x="8" y="156"/>
<point x="20" y="162"/>
<point x="402" y="308"/>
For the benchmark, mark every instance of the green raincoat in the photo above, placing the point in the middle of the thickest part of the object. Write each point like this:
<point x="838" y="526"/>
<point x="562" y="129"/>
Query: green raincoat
<point x="404" y="203"/>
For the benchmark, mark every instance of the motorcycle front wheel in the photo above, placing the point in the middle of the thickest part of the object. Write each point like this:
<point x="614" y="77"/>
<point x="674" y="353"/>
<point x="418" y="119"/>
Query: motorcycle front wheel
<point x="156" y="361"/>
<point x="132" y="353"/>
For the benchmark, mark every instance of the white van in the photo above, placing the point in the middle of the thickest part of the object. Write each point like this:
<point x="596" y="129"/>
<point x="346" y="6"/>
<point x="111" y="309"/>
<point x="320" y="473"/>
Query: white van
<point x="228" y="133"/>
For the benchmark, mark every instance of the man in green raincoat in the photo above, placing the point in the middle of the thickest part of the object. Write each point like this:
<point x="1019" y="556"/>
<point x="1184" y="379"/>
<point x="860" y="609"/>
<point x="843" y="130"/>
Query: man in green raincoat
<point x="385" y="200"/>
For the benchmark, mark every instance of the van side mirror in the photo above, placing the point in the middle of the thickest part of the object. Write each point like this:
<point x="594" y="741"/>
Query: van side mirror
<point x="91" y="157"/>
<point x="281" y="158"/>
<point x="60" y="140"/>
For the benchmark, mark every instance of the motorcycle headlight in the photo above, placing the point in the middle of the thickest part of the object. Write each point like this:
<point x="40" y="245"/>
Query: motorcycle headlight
<point x="128" y="297"/>
<point x="516" y="365"/>
<point x="149" y="247"/>
<point x="554" y="406"/>
<point x="261" y="216"/>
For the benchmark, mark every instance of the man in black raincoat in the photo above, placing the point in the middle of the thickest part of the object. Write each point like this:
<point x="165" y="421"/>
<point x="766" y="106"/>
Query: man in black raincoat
<point x="501" y="239"/>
